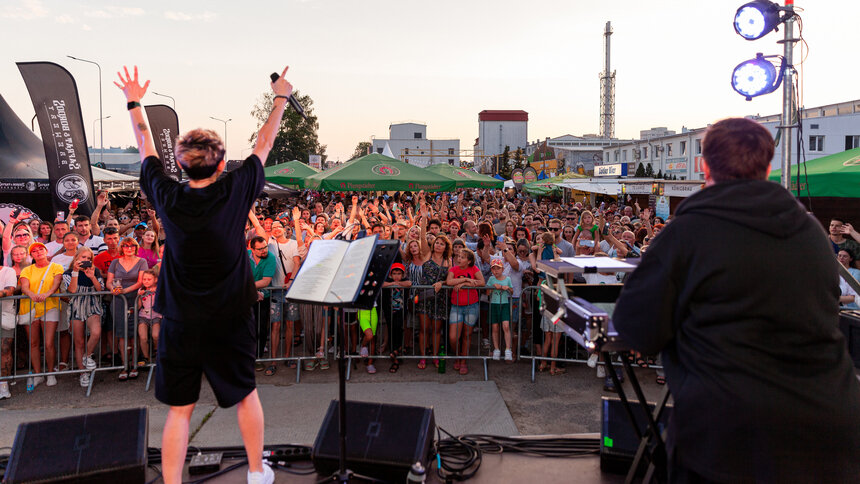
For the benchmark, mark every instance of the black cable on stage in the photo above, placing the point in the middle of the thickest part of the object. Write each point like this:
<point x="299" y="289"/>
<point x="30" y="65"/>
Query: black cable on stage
<point x="460" y="457"/>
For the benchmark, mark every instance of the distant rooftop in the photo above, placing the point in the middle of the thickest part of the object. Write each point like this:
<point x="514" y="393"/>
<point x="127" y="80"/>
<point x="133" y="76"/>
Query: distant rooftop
<point x="503" y="115"/>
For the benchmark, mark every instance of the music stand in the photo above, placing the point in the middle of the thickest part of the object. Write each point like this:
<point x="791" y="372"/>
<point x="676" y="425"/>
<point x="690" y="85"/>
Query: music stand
<point x="374" y="274"/>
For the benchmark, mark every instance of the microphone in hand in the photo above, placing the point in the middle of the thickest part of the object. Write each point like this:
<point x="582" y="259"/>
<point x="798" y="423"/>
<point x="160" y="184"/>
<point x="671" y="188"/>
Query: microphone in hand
<point x="293" y="102"/>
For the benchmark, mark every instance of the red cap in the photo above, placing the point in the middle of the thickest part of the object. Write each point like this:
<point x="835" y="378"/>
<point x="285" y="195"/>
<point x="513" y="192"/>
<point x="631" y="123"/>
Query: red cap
<point x="398" y="266"/>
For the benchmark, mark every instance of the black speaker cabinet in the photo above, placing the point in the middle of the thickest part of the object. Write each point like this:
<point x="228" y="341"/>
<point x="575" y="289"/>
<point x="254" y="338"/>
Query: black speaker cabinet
<point x="618" y="441"/>
<point x="382" y="440"/>
<point x="98" y="448"/>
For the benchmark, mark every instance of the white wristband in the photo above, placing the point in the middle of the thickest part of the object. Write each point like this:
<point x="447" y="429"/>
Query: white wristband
<point x="75" y="273"/>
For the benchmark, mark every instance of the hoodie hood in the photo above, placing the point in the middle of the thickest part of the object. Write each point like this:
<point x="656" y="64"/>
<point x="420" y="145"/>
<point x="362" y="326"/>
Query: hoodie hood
<point x="759" y="205"/>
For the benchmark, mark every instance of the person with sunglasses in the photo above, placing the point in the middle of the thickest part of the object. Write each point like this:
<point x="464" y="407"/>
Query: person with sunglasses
<point x="15" y="233"/>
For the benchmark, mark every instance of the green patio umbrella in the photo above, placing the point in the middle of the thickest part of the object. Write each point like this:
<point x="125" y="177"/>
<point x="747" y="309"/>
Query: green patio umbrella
<point x="465" y="178"/>
<point x="836" y="175"/>
<point x="289" y="174"/>
<point x="376" y="172"/>
<point x="548" y="186"/>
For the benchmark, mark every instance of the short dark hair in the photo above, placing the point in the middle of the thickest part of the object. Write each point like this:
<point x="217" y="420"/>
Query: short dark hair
<point x="81" y="218"/>
<point x="837" y="219"/>
<point x="199" y="152"/>
<point x="738" y="149"/>
<point x="110" y="231"/>
<point x="434" y="221"/>
<point x="256" y="240"/>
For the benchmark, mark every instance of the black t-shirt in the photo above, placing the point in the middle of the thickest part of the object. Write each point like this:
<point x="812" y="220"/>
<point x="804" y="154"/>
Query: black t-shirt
<point x="205" y="275"/>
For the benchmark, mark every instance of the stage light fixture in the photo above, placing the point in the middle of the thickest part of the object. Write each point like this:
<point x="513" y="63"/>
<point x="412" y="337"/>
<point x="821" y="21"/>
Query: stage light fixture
<point x="756" y="19"/>
<point x="756" y="77"/>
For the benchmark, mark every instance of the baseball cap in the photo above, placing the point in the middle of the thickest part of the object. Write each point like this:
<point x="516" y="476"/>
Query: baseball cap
<point x="141" y="225"/>
<point x="398" y="266"/>
<point x="497" y="263"/>
<point x="34" y="245"/>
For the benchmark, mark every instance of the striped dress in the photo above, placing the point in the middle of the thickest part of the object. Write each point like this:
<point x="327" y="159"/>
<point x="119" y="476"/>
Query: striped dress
<point x="81" y="306"/>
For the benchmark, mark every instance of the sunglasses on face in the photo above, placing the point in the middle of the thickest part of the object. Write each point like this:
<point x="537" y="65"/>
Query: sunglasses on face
<point x="22" y="235"/>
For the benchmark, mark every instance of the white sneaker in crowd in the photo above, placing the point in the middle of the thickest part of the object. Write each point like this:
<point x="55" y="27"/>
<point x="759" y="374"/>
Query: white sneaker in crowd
<point x="33" y="382"/>
<point x="497" y="355"/>
<point x="85" y="380"/>
<point x="601" y="371"/>
<point x="267" y="476"/>
<point x="363" y="353"/>
<point x="52" y="380"/>
<point x="509" y="355"/>
<point x="4" y="390"/>
<point x="89" y="362"/>
<point x="592" y="360"/>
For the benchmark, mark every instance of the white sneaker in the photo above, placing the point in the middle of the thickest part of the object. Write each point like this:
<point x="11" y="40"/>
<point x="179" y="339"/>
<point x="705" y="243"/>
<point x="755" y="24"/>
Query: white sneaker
<point x="85" y="380"/>
<point x="89" y="362"/>
<point x="497" y="355"/>
<point x="4" y="390"/>
<point x="363" y="353"/>
<point x="592" y="360"/>
<point x="509" y="355"/>
<point x="52" y="380"/>
<point x="265" y="477"/>
<point x="601" y="371"/>
<point x="33" y="382"/>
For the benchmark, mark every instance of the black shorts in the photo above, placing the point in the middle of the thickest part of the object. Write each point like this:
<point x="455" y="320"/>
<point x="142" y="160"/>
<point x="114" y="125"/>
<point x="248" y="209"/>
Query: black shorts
<point x="223" y="351"/>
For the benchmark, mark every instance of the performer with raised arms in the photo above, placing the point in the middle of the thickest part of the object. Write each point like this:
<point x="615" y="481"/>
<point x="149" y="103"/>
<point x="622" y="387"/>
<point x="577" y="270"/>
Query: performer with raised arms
<point x="206" y="290"/>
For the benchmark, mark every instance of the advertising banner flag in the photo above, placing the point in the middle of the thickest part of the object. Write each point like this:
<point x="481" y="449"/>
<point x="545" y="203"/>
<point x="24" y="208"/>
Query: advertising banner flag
<point x="529" y="175"/>
<point x="58" y="109"/>
<point x="164" y="124"/>
<point x="517" y="177"/>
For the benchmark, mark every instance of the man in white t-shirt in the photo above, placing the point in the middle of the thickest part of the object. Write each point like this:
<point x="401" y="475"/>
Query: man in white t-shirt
<point x="286" y="253"/>
<point x="85" y="236"/>
<point x="61" y="228"/>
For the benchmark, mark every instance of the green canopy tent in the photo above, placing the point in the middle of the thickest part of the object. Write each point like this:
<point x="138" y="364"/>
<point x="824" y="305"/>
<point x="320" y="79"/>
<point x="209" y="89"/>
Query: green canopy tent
<point x="376" y="172"/>
<point x="549" y="186"/>
<point x="465" y="178"/>
<point x="836" y="175"/>
<point x="289" y="174"/>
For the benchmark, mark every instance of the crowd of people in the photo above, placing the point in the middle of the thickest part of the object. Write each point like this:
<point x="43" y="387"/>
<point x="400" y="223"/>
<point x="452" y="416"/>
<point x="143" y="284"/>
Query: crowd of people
<point x="466" y="258"/>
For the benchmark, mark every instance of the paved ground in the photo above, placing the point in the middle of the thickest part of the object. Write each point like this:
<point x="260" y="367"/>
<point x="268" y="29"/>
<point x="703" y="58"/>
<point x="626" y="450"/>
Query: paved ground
<point x="508" y="404"/>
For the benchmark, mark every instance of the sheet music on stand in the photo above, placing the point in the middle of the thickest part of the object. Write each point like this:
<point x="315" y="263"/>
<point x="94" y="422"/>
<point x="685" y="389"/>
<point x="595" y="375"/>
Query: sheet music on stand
<point x="342" y="273"/>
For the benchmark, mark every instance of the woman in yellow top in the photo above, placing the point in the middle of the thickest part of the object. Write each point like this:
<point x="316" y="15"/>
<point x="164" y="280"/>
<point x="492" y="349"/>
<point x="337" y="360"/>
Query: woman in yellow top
<point x="40" y="312"/>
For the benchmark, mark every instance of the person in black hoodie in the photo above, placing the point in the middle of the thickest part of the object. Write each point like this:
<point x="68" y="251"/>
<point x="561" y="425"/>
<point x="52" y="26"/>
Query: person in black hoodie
<point x="740" y="293"/>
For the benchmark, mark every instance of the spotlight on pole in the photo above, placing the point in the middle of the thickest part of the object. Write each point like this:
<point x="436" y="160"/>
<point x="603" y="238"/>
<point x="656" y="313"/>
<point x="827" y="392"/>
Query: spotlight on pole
<point x="756" y="77"/>
<point x="756" y="19"/>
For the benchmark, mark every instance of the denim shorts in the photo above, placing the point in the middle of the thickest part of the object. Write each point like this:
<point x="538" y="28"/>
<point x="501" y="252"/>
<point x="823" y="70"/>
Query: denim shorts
<point x="465" y="314"/>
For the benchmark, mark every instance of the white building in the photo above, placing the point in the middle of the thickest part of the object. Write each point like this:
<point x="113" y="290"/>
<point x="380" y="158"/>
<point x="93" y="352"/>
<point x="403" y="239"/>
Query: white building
<point x="826" y="130"/>
<point x="408" y="142"/>
<point x="498" y="129"/>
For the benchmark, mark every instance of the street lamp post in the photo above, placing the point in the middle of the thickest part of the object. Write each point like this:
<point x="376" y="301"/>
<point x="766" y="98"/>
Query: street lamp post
<point x="165" y="95"/>
<point x="225" y="121"/>
<point x="101" y="126"/>
<point x="94" y="130"/>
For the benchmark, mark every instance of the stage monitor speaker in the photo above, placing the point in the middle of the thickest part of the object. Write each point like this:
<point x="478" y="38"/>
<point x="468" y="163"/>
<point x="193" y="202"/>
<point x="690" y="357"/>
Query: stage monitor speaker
<point x="383" y="441"/>
<point x="98" y="448"/>
<point x="618" y="441"/>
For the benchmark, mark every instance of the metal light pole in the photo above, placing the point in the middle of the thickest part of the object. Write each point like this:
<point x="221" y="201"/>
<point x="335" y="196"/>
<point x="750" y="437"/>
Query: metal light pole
<point x="786" y="120"/>
<point x="165" y="95"/>
<point x="94" y="127"/>
<point x="225" y="131"/>
<point x="101" y="126"/>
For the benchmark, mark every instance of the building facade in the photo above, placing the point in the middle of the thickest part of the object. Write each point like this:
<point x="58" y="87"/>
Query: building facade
<point x="498" y="129"/>
<point x="578" y="154"/>
<point x="825" y="130"/>
<point x="409" y="143"/>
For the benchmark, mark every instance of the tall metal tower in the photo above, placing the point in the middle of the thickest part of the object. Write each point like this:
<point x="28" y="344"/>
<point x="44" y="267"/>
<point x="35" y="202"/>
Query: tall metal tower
<point x="607" y="91"/>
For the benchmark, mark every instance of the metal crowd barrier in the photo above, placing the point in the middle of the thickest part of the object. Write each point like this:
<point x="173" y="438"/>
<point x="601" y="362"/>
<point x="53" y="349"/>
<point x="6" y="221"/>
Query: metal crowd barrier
<point x="62" y="343"/>
<point x="306" y="335"/>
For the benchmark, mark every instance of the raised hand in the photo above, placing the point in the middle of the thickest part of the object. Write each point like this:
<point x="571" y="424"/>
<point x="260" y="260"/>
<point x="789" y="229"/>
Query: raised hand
<point x="102" y="199"/>
<point x="130" y="86"/>
<point x="281" y="87"/>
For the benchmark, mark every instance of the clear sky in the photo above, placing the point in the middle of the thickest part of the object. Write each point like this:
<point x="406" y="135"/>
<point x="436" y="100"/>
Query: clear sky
<point x="370" y="63"/>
